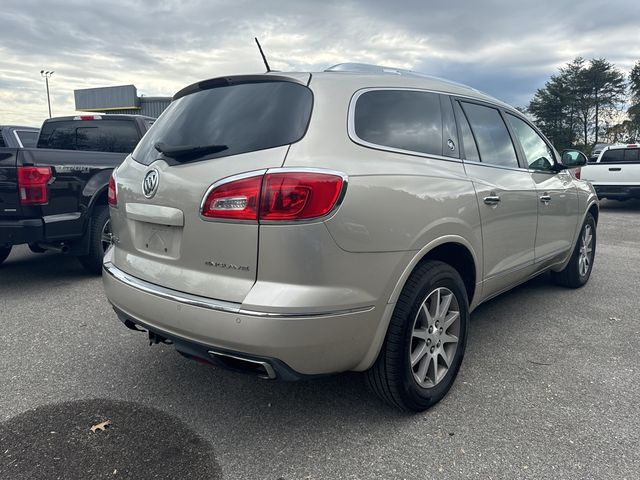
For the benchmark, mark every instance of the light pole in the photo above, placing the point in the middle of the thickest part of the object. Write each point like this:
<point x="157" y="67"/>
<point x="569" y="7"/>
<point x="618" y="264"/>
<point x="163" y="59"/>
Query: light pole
<point x="47" y="76"/>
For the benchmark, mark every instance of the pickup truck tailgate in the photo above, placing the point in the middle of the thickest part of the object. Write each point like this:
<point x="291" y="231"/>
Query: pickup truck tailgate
<point x="612" y="173"/>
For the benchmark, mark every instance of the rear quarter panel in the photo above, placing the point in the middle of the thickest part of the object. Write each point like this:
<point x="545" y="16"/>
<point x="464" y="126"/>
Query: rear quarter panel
<point x="394" y="202"/>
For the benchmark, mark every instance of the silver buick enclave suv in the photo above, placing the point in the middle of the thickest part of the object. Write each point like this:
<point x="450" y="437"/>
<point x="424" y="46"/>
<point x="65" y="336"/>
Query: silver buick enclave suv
<point x="301" y="224"/>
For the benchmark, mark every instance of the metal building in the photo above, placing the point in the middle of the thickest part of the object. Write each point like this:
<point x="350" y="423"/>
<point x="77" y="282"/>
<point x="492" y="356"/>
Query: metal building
<point x="120" y="99"/>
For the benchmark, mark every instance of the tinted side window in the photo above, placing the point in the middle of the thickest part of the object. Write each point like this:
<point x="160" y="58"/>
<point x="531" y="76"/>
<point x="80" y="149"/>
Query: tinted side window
<point x="612" y="156"/>
<point x="27" y="138"/>
<point x="2" y="144"/>
<point x="631" y="155"/>
<point x="491" y="134"/>
<point x="538" y="154"/>
<point x="407" y="120"/>
<point x="99" y="135"/>
<point x="468" y="142"/>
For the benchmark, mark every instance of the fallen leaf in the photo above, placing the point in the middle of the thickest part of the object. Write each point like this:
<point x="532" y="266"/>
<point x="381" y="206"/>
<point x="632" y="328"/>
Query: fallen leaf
<point x="100" y="426"/>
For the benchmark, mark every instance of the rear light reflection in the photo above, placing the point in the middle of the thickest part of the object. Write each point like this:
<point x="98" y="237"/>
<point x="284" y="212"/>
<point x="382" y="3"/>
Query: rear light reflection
<point x="112" y="193"/>
<point x="277" y="196"/>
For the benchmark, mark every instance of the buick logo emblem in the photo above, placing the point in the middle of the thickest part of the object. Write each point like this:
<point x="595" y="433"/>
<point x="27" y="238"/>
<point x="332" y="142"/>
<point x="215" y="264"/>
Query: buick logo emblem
<point x="150" y="183"/>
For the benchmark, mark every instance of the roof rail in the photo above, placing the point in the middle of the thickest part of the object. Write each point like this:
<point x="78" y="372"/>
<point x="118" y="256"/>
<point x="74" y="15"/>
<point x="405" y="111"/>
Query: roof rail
<point x="365" y="68"/>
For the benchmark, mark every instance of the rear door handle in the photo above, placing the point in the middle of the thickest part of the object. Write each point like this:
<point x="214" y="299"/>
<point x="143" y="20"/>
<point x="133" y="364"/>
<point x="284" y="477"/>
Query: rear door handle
<point x="545" y="199"/>
<point x="492" y="200"/>
<point x="615" y="169"/>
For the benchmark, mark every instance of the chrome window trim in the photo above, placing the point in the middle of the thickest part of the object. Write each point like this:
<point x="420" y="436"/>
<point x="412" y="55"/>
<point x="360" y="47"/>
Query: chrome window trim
<point x="356" y="139"/>
<point x="209" y="303"/>
<point x="502" y="167"/>
<point x="263" y="172"/>
<point x="351" y="129"/>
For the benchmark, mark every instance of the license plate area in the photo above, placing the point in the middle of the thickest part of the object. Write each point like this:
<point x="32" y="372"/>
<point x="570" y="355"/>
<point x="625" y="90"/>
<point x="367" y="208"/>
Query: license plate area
<point x="158" y="240"/>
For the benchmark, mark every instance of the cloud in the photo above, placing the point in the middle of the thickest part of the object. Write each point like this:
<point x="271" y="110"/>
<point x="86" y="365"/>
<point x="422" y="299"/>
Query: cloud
<point x="505" y="48"/>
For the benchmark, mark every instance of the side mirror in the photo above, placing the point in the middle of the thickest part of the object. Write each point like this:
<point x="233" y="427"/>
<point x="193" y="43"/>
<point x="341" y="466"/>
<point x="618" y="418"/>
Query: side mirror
<point x="573" y="158"/>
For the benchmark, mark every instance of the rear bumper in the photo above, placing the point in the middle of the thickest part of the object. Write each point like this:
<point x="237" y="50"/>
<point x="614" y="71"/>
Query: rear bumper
<point x="617" y="191"/>
<point x="300" y="344"/>
<point x="16" y="232"/>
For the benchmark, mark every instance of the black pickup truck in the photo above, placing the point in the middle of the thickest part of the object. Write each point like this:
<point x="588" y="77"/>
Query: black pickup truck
<point x="55" y="196"/>
<point x="18" y="137"/>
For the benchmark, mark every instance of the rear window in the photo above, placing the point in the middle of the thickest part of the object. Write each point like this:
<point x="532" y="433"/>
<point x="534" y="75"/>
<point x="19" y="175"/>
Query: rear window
<point x="243" y="117"/>
<point x="613" y="156"/>
<point x="119" y="136"/>
<point x="28" y="138"/>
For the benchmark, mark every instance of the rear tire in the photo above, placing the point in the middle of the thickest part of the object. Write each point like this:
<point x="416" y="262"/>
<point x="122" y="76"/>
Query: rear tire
<point x="578" y="270"/>
<point x="4" y="253"/>
<point x="419" y="359"/>
<point x="99" y="239"/>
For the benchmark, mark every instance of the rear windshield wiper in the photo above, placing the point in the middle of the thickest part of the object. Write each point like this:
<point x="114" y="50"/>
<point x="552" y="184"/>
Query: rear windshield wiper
<point x="188" y="151"/>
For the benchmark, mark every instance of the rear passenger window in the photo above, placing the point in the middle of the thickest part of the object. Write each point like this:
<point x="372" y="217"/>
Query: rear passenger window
<point x="2" y="144"/>
<point x="631" y="155"/>
<point x="402" y="119"/>
<point x="612" y="156"/>
<point x="27" y="138"/>
<point x="491" y="135"/>
<point x="468" y="143"/>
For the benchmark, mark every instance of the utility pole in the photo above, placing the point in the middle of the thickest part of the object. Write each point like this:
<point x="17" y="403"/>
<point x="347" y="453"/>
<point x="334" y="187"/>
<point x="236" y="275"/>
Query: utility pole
<point x="47" y="76"/>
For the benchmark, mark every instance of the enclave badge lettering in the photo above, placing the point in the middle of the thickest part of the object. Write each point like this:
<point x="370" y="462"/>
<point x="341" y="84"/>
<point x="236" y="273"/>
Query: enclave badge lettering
<point x="228" y="266"/>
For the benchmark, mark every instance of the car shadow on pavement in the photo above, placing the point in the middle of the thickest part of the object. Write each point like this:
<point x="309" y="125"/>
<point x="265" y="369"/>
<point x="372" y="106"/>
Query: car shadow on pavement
<point x="36" y="269"/>
<point x="621" y="206"/>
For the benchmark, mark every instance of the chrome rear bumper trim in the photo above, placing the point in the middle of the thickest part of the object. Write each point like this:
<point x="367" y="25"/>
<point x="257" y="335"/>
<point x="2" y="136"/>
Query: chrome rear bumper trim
<point x="209" y="303"/>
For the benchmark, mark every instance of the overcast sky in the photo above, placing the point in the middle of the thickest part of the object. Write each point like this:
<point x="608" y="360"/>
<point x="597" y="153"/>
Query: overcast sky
<point x="505" y="48"/>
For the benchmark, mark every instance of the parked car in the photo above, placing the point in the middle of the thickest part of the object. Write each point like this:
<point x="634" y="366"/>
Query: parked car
<point x="616" y="172"/>
<point x="54" y="197"/>
<point x="15" y="136"/>
<point x="597" y="150"/>
<point x="303" y="224"/>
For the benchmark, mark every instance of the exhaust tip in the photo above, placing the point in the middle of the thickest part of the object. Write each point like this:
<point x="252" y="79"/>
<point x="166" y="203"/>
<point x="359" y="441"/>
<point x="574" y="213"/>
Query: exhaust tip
<point x="260" y="368"/>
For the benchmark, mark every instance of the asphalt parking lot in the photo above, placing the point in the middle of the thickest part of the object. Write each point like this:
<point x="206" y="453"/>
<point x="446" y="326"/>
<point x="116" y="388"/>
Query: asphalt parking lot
<point x="550" y="388"/>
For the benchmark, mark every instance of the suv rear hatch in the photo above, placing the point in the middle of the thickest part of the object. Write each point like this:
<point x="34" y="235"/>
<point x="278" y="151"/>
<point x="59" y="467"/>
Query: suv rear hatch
<point x="213" y="130"/>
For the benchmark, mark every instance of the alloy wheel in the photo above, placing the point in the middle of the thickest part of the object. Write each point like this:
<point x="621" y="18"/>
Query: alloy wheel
<point x="434" y="338"/>
<point x="586" y="251"/>
<point x="106" y="236"/>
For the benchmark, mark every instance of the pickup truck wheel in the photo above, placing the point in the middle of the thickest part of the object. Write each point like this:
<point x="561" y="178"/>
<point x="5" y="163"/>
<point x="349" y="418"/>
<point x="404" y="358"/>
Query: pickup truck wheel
<point x="425" y="341"/>
<point x="99" y="239"/>
<point x="578" y="270"/>
<point x="4" y="253"/>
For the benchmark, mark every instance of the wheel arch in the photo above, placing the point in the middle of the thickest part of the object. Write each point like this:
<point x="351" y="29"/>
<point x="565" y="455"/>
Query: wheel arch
<point x="453" y="250"/>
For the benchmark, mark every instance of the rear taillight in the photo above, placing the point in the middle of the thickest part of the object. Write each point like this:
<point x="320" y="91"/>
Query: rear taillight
<point x="298" y="195"/>
<point x="112" y="192"/>
<point x="279" y="196"/>
<point x="235" y="200"/>
<point x="577" y="172"/>
<point x="32" y="184"/>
